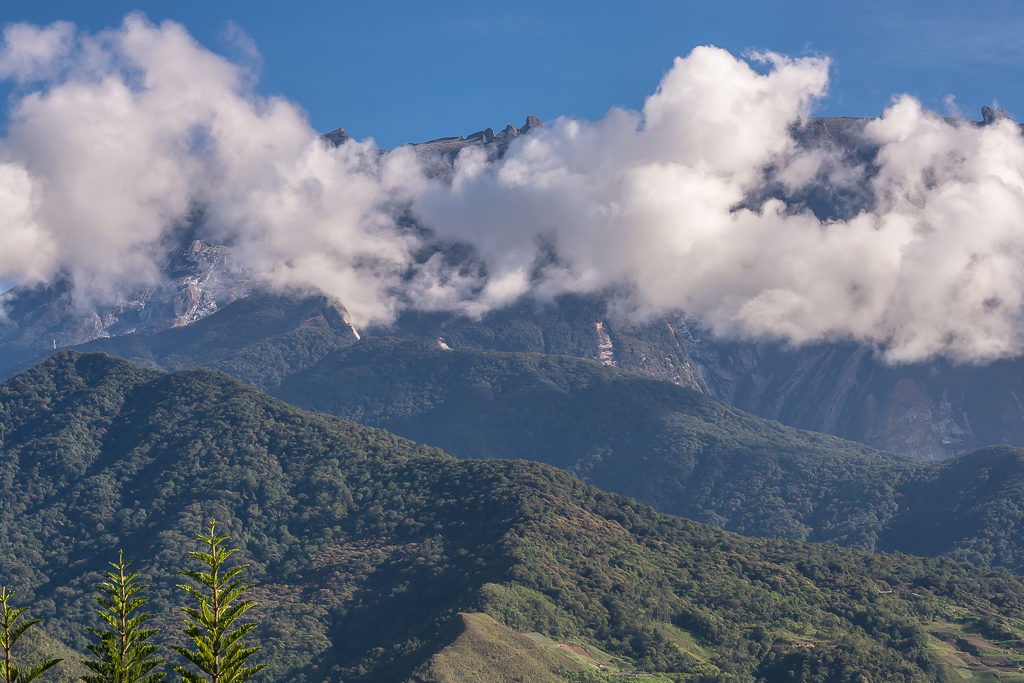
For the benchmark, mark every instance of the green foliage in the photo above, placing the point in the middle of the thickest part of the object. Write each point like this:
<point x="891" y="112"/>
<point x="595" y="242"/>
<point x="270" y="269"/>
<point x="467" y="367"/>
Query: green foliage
<point x="676" y="449"/>
<point x="344" y="527"/>
<point x="10" y="631"/>
<point x="124" y="653"/>
<point x="220" y="654"/>
<point x="670" y="447"/>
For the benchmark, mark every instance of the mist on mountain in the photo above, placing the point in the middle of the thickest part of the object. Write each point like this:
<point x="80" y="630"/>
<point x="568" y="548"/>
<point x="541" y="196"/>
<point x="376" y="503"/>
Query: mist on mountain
<point x="708" y="200"/>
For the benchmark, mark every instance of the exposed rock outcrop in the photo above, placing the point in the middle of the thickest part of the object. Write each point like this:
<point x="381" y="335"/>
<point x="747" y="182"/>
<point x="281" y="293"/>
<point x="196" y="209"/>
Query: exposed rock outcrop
<point x="337" y="136"/>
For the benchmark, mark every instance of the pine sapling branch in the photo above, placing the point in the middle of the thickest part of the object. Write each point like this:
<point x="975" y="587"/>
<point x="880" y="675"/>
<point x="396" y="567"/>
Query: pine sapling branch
<point x="10" y="632"/>
<point x="124" y="653"/>
<point x="219" y="654"/>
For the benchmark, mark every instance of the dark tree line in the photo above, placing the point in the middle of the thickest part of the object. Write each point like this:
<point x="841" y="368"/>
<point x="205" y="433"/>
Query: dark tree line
<point x="124" y="650"/>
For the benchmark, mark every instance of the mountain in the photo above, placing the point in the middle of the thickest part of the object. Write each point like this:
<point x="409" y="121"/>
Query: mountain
<point x="438" y="156"/>
<point x="345" y="527"/>
<point x="197" y="279"/>
<point x="571" y="325"/>
<point x="930" y="411"/>
<point x="669" y="446"/>
<point x="260" y="339"/>
<point x="675" y="448"/>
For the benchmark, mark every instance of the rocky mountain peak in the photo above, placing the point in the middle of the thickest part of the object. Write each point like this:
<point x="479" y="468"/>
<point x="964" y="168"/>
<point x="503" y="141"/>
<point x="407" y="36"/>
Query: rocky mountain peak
<point x="532" y="123"/>
<point x="510" y="131"/>
<point x="486" y="135"/>
<point x="990" y="115"/>
<point x="438" y="156"/>
<point x="337" y="136"/>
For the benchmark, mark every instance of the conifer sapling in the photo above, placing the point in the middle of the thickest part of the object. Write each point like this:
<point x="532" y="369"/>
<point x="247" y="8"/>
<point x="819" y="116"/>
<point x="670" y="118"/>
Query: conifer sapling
<point x="10" y="632"/>
<point x="123" y="654"/>
<point x="219" y="655"/>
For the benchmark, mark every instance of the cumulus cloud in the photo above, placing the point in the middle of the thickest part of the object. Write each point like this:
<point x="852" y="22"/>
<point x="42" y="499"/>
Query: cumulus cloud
<point x="645" y="199"/>
<point x="655" y="205"/>
<point x="33" y="52"/>
<point x="115" y="139"/>
<point x="107" y="158"/>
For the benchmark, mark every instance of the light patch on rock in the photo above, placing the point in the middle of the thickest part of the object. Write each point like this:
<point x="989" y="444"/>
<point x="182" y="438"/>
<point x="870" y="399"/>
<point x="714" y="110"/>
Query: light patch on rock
<point x="605" y="351"/>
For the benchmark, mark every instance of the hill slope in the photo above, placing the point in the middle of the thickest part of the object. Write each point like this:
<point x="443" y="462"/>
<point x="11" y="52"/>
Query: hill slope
<point x="366" y="547"/>
<point x="675" y="448"/>
<point x="259" y="339"/>
<point x="671" y="447"/>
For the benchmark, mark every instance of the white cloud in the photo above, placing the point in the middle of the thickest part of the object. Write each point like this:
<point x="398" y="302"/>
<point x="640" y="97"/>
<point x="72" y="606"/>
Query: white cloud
<point x="150" y="125"/>
<point x="129" y="130"/>
<point x="33" y="53"/>
<point x="649" y="203"/>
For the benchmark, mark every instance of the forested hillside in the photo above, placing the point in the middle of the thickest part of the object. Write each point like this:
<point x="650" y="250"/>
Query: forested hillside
<point x="347" y="526"/>
<point x="674" y="448"/>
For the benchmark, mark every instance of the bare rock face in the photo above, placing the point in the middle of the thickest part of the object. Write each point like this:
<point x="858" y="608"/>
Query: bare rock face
<point x="485" y="136"/>
<point x="532" y="123"/>
<point x="655" y="349"/>
<point x="510" y="131"/>
<point x="571" y="325"/>
<point x="199" y="277"/>
<point x="606" y="349"/>
<point x="990" y="115"/>
<point x="438" y="156"/>
<point x="337" y="137"/>
<point x="186" y="303"/>
<point x="204" y="277"/>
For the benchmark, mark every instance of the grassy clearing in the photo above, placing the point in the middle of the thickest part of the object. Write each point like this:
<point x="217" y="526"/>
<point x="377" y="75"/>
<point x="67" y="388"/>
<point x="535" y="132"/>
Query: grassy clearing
<point x="971" y="656"/>
<point x="487" y="651"/>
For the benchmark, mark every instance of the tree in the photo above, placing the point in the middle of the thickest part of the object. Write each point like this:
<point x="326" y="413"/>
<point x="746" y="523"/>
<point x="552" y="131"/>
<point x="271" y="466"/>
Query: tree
<point x="10" y="631"/>
<point x="123" y="654"/>
<point x="220" y="655"/>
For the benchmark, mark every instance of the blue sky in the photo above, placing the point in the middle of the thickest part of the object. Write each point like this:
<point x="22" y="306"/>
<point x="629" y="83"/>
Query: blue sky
<point x="408" y="71"/>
